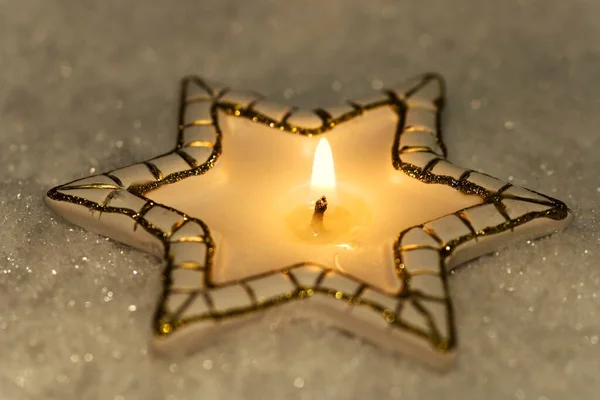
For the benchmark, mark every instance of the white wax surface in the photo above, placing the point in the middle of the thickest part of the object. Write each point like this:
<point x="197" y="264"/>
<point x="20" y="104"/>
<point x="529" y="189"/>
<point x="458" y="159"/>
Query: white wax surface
<point x="245" y="197"/>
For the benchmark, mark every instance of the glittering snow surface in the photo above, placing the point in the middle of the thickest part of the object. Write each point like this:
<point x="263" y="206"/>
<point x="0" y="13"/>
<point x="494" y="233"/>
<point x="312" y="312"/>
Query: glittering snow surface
<point x="90" y="86"/>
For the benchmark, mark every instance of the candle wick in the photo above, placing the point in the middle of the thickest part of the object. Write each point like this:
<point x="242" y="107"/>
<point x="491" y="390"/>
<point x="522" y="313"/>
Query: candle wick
<point x="321" y="205"/>
<point x="318" y="214"/>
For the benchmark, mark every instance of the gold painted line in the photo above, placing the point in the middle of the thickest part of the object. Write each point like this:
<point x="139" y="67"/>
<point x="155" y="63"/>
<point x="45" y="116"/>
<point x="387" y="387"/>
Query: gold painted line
<point x="415" y="149"/>
<point x="502" y="210"/>
<point x="410" y="247"/>
<point x="177" y="225"/>
<point x="431" y="164"/>
<point x="419" y="294"/>
<point x="465" y="220"/>
<point x="400" y="237"/>
<point x="418" y="86"/>
<point x="183" y="290"/>
<point x="231" y="108"/>
<point x="115" y="179"/>
<point x="400" y="267"/>
<point x="198" y="122"/>
<point x="292" y="278"/>
<point x="348" y="115"/>
<point x="141" y="215"/>
<point x="505" y="187"/>
<point x="421" y="106"/>
<point x="209" y="301"/>
<point x="109" y="198"/>
<point x="249" y="292"/>
<point x="425" y="80"/>
<point x="189" y="239"/>
<point x="145" y="208"/>
<point x="252" y="104"/>
<point x="189" y="160"/>
<point x="399" y="308"/>
<point x="544" y="196"/>
<point x="198" y="99"/>
<point x="189" y="265"/>
<point x="321" y="277"/>
<point x="427" y="315"/>
<point x="206" y="98"/>
<point x="420" y="129"/>
<point x="528" y="200"/>
<point x="325" y="116"/>
<point x="184" y="305"/>
<point x="223" y="92"/>
<point x="359" y="291"/>
<point x="434" y="235"/>
<point x="90" y="186"/>
<point x="156" y="173"/>
<point x="200" y="143"/>
<point x="465" y="175"/>
<point x="357" y="107"/>
<point x="378" y="103"/>
<point x="287" y="115"/>
<point x="200" y="82"/>
<point x="283" y="270"/>
<point x="393" y="97"/>
<point x="288" y="268"/>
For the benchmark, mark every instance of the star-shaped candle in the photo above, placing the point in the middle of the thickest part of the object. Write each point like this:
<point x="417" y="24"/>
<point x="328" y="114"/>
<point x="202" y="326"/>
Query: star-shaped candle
<point x="350" y="213"/>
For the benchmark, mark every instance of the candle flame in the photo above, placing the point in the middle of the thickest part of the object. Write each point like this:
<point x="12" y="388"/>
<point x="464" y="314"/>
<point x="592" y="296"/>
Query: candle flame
<point x="323" y="171"/>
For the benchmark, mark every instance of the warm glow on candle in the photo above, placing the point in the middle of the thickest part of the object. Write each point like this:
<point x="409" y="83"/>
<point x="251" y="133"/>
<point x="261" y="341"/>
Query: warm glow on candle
<point x="331" y="214"/>
<point x="323" y="171"/>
